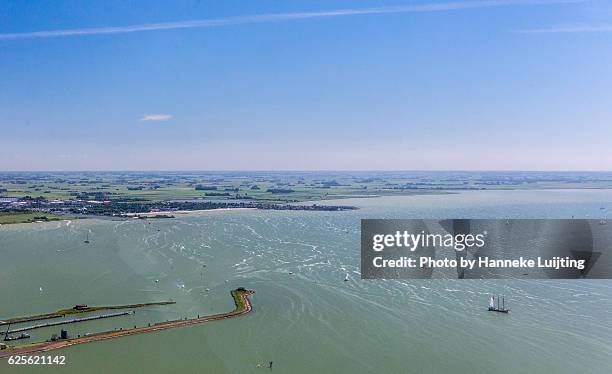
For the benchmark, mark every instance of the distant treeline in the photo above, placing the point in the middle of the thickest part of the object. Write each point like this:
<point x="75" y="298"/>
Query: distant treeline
<point x="280" y="190"/>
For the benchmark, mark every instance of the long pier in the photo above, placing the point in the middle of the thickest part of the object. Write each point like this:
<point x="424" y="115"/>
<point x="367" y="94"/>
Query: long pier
<point x="64" y="312"/>
<point x="65" y="322"/>
<point x="241" y="300"/>
<point x="30" y="319"/>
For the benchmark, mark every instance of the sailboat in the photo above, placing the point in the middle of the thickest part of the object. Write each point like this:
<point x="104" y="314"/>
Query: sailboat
<point x="346" y="278"/>
<point x="494" y="307"/>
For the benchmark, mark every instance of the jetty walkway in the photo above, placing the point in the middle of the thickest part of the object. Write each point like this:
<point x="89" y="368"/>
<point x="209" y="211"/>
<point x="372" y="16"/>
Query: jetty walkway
<point x="84" y="309"/>
<point x="241" y="299"/>
<point x="65" y="322"/>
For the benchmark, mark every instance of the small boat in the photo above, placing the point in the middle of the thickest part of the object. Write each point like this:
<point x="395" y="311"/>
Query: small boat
<point x="346" y="278"/>
<point x="494" y="307"/>
<point x="20" y="336"/>
<point x="86" y="241"/>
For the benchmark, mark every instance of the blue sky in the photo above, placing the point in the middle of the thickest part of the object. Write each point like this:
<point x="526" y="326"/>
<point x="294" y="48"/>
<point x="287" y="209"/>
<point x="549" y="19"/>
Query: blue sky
<point x="263" y="85"/>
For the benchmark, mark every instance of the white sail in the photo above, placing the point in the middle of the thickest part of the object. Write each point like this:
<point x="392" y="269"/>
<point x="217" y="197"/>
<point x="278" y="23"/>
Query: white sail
<point x="491" y="302"/>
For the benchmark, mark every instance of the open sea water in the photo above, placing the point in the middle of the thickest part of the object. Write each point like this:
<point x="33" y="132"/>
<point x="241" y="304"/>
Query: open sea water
<point x="306" y="318"/>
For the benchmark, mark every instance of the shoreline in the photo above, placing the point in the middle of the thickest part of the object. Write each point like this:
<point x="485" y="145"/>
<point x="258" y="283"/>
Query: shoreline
<point x="182" y="212"/>
<point x="169" y="213"/>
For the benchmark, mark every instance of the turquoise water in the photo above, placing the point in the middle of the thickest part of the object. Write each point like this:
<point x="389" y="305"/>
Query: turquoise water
<point x="306" y="318"/>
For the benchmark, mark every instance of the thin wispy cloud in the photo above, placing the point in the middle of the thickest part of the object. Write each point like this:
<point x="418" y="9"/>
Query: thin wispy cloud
<point x="156" y="117"/>
<point x="277" y="17"/>
<point x="569" y="29"/>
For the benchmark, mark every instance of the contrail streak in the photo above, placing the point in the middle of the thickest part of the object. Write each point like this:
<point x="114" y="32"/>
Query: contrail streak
<point x="263" y="18"/>
<point x="570" y="29"/>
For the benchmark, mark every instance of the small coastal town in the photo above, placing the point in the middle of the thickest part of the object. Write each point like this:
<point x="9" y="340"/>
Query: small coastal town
<point x="41" y="209"/>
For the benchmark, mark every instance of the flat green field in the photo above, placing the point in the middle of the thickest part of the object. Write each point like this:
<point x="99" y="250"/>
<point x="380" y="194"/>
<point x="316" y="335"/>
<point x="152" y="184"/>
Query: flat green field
<point x="26" y="217"/>
<point x="275" y="187"/>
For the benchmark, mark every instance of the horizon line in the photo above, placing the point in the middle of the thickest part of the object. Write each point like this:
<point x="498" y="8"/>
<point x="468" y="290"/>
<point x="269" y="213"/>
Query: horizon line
<point x="306" y="170"/>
